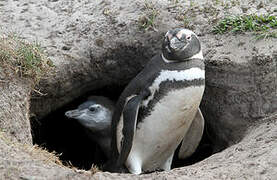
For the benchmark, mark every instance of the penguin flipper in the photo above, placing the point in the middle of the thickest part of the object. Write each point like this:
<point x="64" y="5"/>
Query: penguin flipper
<point x="130" y="113"/>
<point x="193" y="136"/>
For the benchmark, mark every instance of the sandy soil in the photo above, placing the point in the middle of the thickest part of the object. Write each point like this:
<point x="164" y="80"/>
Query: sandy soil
<point x="91" y="44"/>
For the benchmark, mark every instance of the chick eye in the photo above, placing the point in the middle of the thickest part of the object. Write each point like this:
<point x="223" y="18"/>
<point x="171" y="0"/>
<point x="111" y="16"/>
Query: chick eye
<point x="92" y="108"/>
<point x="188" y="37"/>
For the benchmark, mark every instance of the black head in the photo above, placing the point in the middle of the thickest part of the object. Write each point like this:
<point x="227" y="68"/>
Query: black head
<point x="180" y="44"/>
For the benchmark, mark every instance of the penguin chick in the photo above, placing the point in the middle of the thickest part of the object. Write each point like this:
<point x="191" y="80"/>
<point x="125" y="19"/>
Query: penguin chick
<point x="95" y="115"/>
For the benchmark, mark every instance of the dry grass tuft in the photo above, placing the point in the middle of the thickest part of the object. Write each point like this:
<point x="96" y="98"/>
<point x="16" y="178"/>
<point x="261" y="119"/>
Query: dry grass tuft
<point x="25" y="59"/>
<point x="148" y="20"/>
<point x="94" y="169"/>
<point x="49" y="157"/>
<point x="44" y="155"/>
<point x="34" y="151"/>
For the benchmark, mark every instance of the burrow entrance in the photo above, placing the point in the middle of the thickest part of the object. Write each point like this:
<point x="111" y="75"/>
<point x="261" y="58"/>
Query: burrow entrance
<point x="68" y="139"/>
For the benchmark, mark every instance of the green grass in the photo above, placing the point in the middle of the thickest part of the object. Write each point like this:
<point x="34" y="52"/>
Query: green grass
<point x="262" y="26"/>
<point x="22" y="58"/>
<point x="147" y="21"/>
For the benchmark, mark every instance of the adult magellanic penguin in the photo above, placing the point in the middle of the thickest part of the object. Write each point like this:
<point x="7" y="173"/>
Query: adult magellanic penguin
<point x="156" y="109"/>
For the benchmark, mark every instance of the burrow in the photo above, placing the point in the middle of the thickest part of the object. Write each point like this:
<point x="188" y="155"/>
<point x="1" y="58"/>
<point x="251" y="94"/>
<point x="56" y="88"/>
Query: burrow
<point x="224" y="123"/>
<point x="68" y="139"/>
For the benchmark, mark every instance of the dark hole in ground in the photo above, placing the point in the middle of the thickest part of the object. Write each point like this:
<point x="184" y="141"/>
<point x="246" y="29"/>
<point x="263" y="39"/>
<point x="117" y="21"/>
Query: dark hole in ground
<point x="204" y="150"/>
<point x="68" y="138"/>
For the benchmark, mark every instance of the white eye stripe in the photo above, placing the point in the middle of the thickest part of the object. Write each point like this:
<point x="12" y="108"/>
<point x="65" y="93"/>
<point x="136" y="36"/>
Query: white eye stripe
<point x="186" y="31"/>
<point x="183" y="32"/>
<point x="179" y="34"/>
<point x="168" y="37"/>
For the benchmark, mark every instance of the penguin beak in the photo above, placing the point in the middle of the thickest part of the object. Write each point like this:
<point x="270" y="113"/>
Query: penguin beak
<point x="176" y="45"/>
<point x="73" y="113"/>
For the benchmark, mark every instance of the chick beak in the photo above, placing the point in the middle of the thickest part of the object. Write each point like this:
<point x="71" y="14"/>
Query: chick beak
<point x="73" y="113"/>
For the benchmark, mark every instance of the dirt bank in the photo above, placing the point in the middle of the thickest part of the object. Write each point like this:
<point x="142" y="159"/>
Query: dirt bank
<point x="103" y="44"/>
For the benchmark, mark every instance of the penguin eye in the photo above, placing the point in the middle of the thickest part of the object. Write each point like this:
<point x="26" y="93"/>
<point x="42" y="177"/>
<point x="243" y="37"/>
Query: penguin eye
<point x="92" y="108"/>
<point x="188" y="37"/>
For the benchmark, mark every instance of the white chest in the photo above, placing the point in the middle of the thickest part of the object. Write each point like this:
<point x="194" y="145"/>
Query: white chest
<point x="159" y="134"/>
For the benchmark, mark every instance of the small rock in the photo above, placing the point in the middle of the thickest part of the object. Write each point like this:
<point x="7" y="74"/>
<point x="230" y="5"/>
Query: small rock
<point x="244" y="8"/>
<point x="99" y="42"/>
<point x="262" y="11"/>
<point x="251" y="11"/>
<point x="235" y="10"/>
<point x="261" y="5"/>
<point x="200" y="20"/>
